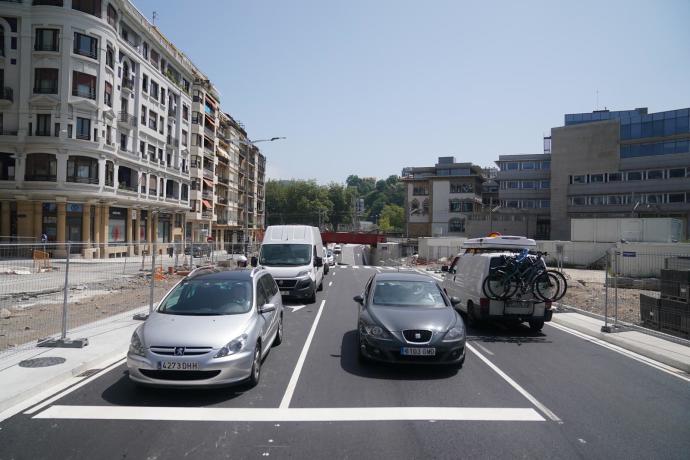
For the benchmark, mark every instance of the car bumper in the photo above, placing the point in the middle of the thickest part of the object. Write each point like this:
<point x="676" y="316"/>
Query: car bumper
<point x="389" y="351"/>
<point x="301" y="290"/>
<point x="211" y="372"/>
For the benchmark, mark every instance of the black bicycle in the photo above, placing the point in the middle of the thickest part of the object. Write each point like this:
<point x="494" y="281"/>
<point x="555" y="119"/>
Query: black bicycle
<point x="524" y="274"/>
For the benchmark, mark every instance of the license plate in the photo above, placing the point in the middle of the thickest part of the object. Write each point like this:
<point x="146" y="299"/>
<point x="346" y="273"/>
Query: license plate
<point x="283" y="292"/>
<point x="177" y="366"/>
<point x="407" y="351"/>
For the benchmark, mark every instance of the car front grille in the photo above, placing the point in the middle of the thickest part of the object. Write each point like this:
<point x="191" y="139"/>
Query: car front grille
<point x="286" y="284"/>
<point x="417" y="335"/>
<point x="178" y="375"/>
<point x="186" y="351"/>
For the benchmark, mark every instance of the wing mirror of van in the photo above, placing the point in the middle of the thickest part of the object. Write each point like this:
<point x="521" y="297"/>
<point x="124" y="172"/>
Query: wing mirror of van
<point x="444" y="268"/>
<point x="267" y="308"/>
<point x="254" y="261"/>
<point x="318" y="262"/>
<point x="359" y="299"/>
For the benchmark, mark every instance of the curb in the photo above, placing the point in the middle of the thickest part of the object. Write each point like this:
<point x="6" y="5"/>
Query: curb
<point x="626" y="344"/>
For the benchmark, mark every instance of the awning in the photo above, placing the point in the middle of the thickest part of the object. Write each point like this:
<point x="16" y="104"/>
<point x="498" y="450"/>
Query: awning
<point x="208" y="182"/>
<point x="222" y="153"/>
<point x="206" y="203"/>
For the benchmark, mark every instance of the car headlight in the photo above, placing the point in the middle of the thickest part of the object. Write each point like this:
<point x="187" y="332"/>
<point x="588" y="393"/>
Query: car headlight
<point x="135" y="345"/>
<point x="375" y="331"/>
<point x="232" y="347"/>
<point x="454" y="334"/>
<point x="303" y="273"/>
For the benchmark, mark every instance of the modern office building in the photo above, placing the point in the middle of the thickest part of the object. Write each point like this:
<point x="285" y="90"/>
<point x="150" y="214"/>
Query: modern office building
<point x="102" y="120"/>
<point x="440" y="198"/>
<point x="627" y="163"/>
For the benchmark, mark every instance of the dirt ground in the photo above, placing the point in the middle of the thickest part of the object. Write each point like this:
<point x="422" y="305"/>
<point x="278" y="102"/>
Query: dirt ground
<point x="37" y="317"/>
<point x="586" y="291"/>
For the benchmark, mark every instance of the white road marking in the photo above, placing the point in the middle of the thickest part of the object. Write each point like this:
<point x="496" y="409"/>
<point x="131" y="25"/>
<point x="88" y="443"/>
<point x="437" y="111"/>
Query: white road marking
<point x="85" y="381"/>
<point x="484" y="349"/>
<point x="355" y="266"/>
<point x="630" y="354"/>
<point x="321" y="414"/>
<point x="296" y="307"/>
<point x="545" y="410"/>
<point x="287" y="397"/>
<point x="330" y="283"/>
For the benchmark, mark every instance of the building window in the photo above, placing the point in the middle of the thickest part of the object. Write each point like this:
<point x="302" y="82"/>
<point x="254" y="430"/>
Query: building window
<point x="41" y="167"/>
<point x="45" y="81"/>
<point x="420" y="190"/>
<point x="579" y="200"/>
<point x="615" y="177"/>
<point x="112" y="16"/>
<point x="545" y="184"/>
<point x="47" y="40"/>
<point x="83" y="85"/>
<point x="185" y="112"/>
<point x="672" y="197"/>
<point x="145" y="50"/>
<point x="83" y="170"/>
<point x="6" y="166"/>
<point x="655" y="174"/>
<point x="142" y="148"/>
<point x="108" y="95"/>
<point x="634" y="175"/>
<point x="145" y="83"/>
<point x="528" y="165"/>
<point x="461" y="188"/>
<point x="143" y="115"/>
<point x="597" y="200"/>
<point x="154" y="89"/>
<point x="162" y="98"/>
<point x="528" y="184"/>
<point x="153" y="120"/>
<point x="152" y="152"/>
<point x="85" y="45"/>
<point x="615" y="200"/>
<point x="43" y="124"/>
<point x="676" y="173"/>
<point x="546" y="165"/>
<point x="83" y="129"/>
<point x="109" y="57"/>
<point x="184" y="138"/>
<point x="161" y="125"/>
<point x="456" y="225"/>
<point x="512" y="166"/>
<point x="545" y="203"/>
<point x="123" y="142"/>
<point x="596" y="178"/>
<point x="196" y="118"/>
<point x="579" y="179"/>
<point x="92" y="7"/>
<point x="109" y="173"/>
<point x="655" y="199"/>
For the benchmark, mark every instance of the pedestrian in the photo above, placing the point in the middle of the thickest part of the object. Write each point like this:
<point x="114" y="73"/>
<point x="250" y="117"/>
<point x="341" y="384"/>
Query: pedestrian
<point x="242" y="262"/>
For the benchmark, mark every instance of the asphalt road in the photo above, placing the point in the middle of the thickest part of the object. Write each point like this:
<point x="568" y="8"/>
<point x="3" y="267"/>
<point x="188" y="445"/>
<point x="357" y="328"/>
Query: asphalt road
<point x="519" y="395"/>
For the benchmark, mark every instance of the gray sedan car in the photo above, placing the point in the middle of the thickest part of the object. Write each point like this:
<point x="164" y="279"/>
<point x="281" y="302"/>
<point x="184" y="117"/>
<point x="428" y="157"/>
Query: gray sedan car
<point x="408" y="318"/>
<point x="212" y="329"/>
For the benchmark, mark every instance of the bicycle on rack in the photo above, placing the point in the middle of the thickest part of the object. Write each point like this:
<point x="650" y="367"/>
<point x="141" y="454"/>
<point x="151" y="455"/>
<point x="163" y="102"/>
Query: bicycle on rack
<point x="524" y="274"/>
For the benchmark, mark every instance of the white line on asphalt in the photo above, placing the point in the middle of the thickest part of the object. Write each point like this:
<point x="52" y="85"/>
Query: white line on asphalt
<point x="545" y="410"/>
<point x="630" y="354"/>
<point x="287" y="397"/>
<point x="330" y="283"/>
<point x="355" y="266"/>
<point x="484" y="349"/>
<point x="296" y="307"/>
<point x="83" y="382"/>
<point x="321" y="414"/>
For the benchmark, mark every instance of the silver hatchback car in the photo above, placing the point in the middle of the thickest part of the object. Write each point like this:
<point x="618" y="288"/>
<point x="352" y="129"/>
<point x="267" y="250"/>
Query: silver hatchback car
<point x="212" y="329"/>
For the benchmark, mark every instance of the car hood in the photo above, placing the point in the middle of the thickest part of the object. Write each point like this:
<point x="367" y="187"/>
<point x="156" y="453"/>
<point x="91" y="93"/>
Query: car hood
<point x="165" y="330"/>
<point x="286" y="272"/>
<point x="397" y="319"/>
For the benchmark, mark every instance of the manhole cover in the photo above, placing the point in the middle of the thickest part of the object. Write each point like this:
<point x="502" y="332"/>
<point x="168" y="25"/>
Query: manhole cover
<point x="42" y="362"/>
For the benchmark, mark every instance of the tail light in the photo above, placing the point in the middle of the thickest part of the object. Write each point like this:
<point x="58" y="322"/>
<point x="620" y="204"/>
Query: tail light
<point x="484" y="302"/>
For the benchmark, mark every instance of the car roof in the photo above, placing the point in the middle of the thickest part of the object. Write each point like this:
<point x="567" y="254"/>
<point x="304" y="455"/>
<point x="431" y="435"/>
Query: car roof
<point x="403" y="276"/>
<point x="236" y="274"/>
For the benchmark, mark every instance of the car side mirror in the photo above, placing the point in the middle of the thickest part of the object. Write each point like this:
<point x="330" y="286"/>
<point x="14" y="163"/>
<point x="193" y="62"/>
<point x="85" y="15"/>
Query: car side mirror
<point x="359" y="299"/>
<point x="454" y="301"/>
<point x="444" y="268"/>
<point x="254" y="261"/>
<point x="267" y="308"/>
<point x="318" y="262"/>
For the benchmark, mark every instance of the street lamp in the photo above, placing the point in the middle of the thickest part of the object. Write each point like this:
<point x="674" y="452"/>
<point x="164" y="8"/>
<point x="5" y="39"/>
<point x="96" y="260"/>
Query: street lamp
<point x="246" y="196"/>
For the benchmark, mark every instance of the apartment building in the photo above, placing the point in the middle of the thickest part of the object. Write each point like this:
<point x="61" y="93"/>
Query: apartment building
<point x="440" y="198"/>
<point x="105" y="126"/>
<point x="628" y="163"/>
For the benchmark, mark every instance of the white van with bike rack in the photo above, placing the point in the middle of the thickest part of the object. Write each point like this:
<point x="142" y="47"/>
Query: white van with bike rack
<point x="464" y="278"/>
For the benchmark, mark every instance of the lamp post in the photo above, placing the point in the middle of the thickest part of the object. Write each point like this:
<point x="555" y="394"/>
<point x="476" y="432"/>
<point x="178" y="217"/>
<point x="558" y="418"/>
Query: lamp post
<point x="246" y="143"/>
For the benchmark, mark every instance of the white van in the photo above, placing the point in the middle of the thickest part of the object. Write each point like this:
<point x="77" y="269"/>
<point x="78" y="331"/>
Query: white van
<point x="465" y="276"/>
<point x="293" y="255"/>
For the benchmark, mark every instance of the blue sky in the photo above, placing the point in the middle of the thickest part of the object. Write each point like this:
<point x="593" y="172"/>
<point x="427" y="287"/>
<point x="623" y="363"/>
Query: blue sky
<point x="368" y="87"/>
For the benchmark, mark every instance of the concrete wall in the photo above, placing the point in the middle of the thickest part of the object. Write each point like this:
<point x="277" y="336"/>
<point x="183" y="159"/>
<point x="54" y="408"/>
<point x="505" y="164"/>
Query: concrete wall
<point x="439" y="247"/>
<point x="575" y="253"/>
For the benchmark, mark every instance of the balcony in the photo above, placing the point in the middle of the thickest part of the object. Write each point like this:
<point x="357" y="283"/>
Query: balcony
<point x="126" y="119"/>
<point x="85" y="92"/>
<point x="8" y="132"/>
<point x="6" y="94"/>
<point x="208" y="174"/>
<point x="207" y="215"/>
<point x="209" y="154"/>
<point x="40" y="178"/>
<point x="209" y="132"/>
<point x="83" y="180"/>
<point x="223" y="180"/>
<point x="128" y="83"/>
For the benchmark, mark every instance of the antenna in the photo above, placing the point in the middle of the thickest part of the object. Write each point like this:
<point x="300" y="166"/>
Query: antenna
<point x="154" y="16"/>
<point x="597" y="104"/>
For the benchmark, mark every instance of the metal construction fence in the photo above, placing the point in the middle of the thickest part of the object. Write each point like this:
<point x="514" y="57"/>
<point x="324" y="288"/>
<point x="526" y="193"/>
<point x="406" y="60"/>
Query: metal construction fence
<point x="47" y="290"/>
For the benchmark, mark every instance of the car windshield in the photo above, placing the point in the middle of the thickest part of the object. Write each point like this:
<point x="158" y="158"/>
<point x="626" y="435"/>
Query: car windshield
<point x="285" y="255"/>
<point x="408" y="294"/>
<point x="208" y="298"/>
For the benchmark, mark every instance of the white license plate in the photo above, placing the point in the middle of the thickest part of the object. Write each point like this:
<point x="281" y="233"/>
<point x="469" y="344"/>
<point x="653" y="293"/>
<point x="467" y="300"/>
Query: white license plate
<point x="283" y="292"/>
<point x="407" y="351"/>
<point x="518" y="307"/>
<point x="177" y="366"/>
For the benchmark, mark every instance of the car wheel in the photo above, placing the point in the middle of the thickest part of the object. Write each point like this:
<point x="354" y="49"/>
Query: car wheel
<point x="256" y="367"/>
<point x="279" y="335"/>
<point x="312" y="296"/>
<point x="536" y="325"/>
<point x="321" y="285"/>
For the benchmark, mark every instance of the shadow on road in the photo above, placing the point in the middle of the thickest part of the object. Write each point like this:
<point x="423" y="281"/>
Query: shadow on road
<point x="504" y="333"/>
<point x="387" y="371"/>
<point x="124" y="393"/>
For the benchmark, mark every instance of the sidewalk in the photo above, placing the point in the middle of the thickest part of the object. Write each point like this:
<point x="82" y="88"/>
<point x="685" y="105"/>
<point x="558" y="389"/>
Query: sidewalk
<point x="661" y="350"/>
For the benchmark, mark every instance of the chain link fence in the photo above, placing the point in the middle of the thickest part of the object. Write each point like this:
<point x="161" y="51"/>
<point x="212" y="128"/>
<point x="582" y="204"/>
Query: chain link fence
<point x="46" y="290"/>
